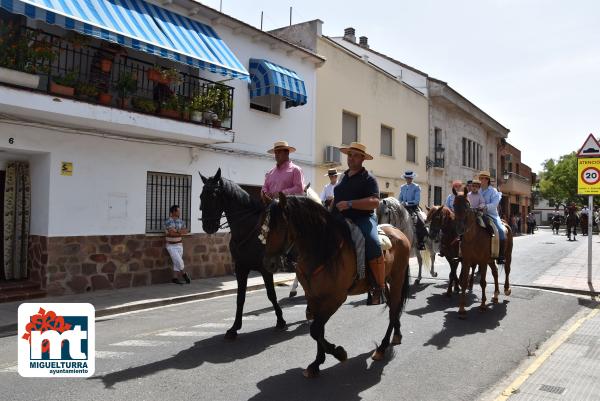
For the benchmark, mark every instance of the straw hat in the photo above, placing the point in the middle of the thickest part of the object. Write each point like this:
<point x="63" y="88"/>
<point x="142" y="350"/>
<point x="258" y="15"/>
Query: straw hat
<point x="281" y="145"/>
<point x="409" y="174"/>
<point x="357" y="146"/>
<point x="331" y="172"/>
<point x="485" y="174"/>
<point x="476" y="181"/>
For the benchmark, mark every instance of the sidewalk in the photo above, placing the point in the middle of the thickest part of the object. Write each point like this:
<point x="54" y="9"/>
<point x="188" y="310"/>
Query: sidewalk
<point x="566" y="368"/>
<point x="111" y="302"/>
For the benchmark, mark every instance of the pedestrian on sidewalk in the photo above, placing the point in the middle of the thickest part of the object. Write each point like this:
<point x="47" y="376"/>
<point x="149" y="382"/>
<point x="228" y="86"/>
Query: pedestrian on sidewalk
<point x="174" y="229"/>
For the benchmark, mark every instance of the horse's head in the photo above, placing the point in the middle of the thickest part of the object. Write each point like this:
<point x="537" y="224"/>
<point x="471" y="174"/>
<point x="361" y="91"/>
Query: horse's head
<point x="435" y="220"/>
<point x="461" y="206"/>
<point x="211" y="202"/>
<point x="384" y="212"/>
<point x="275" y="233"/>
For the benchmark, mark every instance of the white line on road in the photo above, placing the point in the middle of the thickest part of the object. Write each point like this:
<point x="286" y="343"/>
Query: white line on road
<point x="251" y="317"/>
<point x="140" y="343"/>
<point x="213" y="325"/>
<point x="10" y="369"/>
<point x="112" y="354"/>
<point x="186" y="334"/>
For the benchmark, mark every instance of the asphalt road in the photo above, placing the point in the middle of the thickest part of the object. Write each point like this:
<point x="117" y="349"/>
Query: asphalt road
<point x="178" y="352"/>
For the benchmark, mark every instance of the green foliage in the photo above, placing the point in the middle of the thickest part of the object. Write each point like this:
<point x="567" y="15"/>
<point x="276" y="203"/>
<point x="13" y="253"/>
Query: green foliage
<point x="127" y="84"/>
<point x="222" y="101"/>
<point x="144" y="105"/>
<point x="168" y="74"/>
<point x="69" y="79"/>
<point x="558" y="181"/>
<point x="201" y="103"/>
<point x="171" y="103"/>
<point x="23" y="50"/>
<point x="86" y="89"/>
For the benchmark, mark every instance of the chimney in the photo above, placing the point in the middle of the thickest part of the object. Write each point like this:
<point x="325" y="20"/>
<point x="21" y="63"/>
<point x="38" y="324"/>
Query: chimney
<point x="350" y="34"/>
<point x="364" y="42"/>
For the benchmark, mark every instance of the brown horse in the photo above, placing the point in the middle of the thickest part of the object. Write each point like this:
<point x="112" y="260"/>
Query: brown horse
<point x="476" y="250"/>
<point x="327" y="267"/>
<point x="572" y="220"/>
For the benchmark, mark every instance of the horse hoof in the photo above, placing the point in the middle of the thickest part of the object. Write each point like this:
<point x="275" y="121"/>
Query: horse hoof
<point x="449" y="294"/>
<point x="462" y="314"/>
<point x="293" y="294"/>
<point x="434" y="274"/>
<point x="507" y="292"/>
<point x="340" y="354"/>
<point x="230" y="335"/>
<point x="417" y="281"/>
<point x="482" y="308"/>
<point x="310" y="373"/>
<point x="281" y="324"/>
<point x="309" y="315"/>
<point x="377" y="355"/>
<point x="397" y="339"/>
<point x="495" y="300"/>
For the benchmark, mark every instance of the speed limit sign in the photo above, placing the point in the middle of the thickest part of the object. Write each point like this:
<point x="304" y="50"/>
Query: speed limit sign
<point x="589" y="176"/>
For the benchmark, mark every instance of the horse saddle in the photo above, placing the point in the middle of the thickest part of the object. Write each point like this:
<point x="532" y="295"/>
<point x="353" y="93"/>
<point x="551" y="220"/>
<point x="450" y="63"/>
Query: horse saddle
<point x="496" y="240"/>
<point x="359" y="244"/>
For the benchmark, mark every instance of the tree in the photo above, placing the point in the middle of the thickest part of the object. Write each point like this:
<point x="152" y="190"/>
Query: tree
<point x="558" y="181"/>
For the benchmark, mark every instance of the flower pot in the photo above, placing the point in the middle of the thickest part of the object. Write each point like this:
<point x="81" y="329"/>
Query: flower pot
<point x="197" y="116"/>
<point x="19" y="78"/>
<point x="156" y="76"/>
<point x="61" y="89"/>
<point x="105" y="98"/>
<point x="169" y="113"/>
<point x="216" y="123"/>
<point x="105" y="65"/>
<point x="124" y="102"/>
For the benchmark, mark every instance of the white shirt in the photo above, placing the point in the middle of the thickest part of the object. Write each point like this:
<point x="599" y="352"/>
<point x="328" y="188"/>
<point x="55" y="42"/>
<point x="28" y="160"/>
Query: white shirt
<point x="327" y="191"/>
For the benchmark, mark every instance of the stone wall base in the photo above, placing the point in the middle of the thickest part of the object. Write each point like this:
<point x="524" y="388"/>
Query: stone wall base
<point x="64" y="265"/>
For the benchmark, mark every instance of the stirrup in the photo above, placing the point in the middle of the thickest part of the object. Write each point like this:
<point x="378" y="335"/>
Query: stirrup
<point x="377" y="296"/>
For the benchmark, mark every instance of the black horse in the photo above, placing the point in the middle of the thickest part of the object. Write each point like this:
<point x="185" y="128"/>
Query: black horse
<point x="244" y="216"/>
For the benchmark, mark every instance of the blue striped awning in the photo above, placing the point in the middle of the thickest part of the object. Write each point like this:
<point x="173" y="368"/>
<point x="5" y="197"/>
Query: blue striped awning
<point x="138" y="25"/>
<point x="267" y="78"/>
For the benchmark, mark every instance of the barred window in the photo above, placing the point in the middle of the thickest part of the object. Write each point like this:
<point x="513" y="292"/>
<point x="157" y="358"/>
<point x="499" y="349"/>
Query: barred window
<point x="162" y="191"/>
<point x="411" y="148"/>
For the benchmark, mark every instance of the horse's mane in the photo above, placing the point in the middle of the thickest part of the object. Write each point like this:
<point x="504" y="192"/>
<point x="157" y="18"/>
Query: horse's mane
<point x="316" y="230"/>
<point x="399" y="216"/>
<point x="236" y="194"/>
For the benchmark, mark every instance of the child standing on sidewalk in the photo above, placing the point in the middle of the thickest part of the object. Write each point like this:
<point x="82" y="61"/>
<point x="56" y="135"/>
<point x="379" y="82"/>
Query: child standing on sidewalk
<point x="174" y="229"/>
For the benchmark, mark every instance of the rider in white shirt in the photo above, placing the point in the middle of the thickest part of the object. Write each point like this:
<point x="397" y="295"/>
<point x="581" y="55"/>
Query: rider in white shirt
<point x="327" y="194"/>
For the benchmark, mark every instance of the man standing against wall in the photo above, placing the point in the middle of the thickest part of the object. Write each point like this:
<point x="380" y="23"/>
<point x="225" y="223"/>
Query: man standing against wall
<point x="174" y="229"/>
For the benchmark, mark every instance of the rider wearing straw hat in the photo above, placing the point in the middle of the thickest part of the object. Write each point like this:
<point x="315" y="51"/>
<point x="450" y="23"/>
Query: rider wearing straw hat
<point x="409" y="197"/>
<point x="327" y="194"/>
<point x="356" y="196"/>
<point x="285" y="177"/>
<point x="492" y="198"/>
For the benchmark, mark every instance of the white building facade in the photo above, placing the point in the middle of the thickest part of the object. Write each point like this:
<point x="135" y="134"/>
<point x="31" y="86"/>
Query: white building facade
<point x="102" y="176"/>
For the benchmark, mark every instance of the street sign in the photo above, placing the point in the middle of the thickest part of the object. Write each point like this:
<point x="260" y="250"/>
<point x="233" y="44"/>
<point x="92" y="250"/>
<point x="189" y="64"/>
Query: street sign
<point x="590" y="148"/>
<point x="588" y="172"/>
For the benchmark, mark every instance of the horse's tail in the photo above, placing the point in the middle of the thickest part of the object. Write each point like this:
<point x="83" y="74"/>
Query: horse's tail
<point x="405" y="289"/>
<point x="426" y="255"/>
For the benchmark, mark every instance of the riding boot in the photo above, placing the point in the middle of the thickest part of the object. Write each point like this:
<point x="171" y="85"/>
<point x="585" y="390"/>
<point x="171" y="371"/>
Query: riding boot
<point x="377" y="267"/>
<point x="489" y="229"/>
<point x="500" y="259"/>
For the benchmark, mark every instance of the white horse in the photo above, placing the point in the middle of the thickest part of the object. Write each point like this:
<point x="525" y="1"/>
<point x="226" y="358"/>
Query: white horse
<point x="391" y="211"/>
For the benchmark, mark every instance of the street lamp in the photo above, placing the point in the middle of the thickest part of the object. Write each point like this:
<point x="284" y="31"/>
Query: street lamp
<point x="506" y="175"/>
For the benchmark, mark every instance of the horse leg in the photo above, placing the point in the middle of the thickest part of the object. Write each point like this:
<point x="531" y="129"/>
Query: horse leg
<point x="462" y="300"/>
<point x="432" y="271"/>
<point x="317" y="331"/>
<point x="507" y="266"/>
<point x="293" y="291"/>
<point x="420" y="261"/>
<point x="472" y="277"/>
<point x="494" y="270"/>
<point x="482" y="282"/>
<point x="272" y="295"/>
<point x="241" y="276"/>
<point x="452" y="279"/>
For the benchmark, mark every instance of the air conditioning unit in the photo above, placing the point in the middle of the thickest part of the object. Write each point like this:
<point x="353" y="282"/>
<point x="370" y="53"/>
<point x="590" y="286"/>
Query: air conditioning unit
<point x="332" y="154"/>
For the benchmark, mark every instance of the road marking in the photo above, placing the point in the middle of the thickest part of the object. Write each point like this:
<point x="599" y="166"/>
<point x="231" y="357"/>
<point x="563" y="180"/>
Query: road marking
<point x="10" y="369"/>
<point x="113" y="354"/>
<point x="186" y="334"/>
<point x="213" y="325"/>
<point x="518" y="382"/>
<point x="140" y="343"/>
<point x="251" y="317"/>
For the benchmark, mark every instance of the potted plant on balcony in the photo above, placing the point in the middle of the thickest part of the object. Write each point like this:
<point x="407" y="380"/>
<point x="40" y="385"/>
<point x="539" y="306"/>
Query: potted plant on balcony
<point x="200" y="108"/>
<point x="222" y="104"/>
<point x="170" y="107"/>
<point x="104" y="95"/>
<point x="162" y="75"/>
<point x="86" y="91"/>
<point x="126" y="86"/>
<point x="64" y="85"/>
<point x="106" y="65"/>
<point x="76" y="39"/>
<point x="143" y="105"/>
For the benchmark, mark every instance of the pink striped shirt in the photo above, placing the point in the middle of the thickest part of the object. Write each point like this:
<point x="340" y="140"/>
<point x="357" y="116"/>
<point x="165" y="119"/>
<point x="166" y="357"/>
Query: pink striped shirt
<point x="475" y="199"/>
<point x="287" y="178"/>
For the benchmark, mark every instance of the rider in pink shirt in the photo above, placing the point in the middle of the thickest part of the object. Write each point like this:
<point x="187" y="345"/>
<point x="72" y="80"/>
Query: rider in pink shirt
<point x="285" y="177"/>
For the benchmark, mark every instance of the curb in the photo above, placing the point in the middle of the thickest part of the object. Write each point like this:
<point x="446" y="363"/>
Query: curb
<point x="12" y="329"/>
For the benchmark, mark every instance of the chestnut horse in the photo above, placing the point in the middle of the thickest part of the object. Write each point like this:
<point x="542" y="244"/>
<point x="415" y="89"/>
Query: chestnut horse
<point x="476" y="250"/>
<point x="327" y="268"/>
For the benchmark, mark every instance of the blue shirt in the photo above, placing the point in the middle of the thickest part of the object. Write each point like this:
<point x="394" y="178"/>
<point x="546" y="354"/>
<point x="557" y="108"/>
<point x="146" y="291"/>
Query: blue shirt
<point x="492" y="199"/>
<point x="450" y="202"/>
<point x="176" y="224"/>
<point x="359" y="186"/>
<point x="410" y="193"/>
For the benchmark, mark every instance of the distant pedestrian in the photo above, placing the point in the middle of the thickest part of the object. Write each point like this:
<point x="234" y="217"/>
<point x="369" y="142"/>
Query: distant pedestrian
<point x="174" y="229"/>
<point x="519" y="225"/>
<point x="530" y="223"/>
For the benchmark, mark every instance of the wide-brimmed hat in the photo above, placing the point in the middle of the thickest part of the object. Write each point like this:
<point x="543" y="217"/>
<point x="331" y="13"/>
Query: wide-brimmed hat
<point x="409" y="174"/>
<point x="331" y="172"/>
<point x="476" y="181"/>
<point x="357" y="146"/>
<point x="281" y="145"/>
<point x="484" y="174"/>
<point x="457" y="182"/>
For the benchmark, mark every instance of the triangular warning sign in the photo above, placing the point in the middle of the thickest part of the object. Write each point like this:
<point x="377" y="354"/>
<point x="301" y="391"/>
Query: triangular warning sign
<point x="590" y="148"/>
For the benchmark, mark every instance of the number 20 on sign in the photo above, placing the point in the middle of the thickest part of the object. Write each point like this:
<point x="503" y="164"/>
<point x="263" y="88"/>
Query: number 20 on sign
<point x="588" y="172"/>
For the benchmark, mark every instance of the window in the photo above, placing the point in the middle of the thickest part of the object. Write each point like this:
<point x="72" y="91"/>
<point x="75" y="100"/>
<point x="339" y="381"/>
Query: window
<point x="464" y="151"/>
<point x="492" y="164"/>
<point x="349" y="128"/>
<point x="437" y="196"/>
<point x="162" y="191"/>
<point x="471" y="156"/>
<point x="438" y="138"/>
<point x="269" y="104"/>
<point x="411" y="148"/>
<point x="517" y="168"/>
<point x="386" y="141"/>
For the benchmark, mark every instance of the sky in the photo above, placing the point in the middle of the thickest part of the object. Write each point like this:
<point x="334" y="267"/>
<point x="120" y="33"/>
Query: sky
<point x="533" y="65"/>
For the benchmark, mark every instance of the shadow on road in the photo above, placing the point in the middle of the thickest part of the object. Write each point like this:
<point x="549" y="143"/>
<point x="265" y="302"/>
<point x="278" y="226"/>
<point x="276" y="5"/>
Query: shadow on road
<point x="438" y="302"/>
<point x="343" y="381"/>
<point x="476" y="322"/>
<point x="213" y="350"/>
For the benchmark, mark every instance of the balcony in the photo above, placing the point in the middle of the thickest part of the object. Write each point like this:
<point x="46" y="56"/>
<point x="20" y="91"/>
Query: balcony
<point x="515" y="184"/>
<point x="70" y="67"/>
